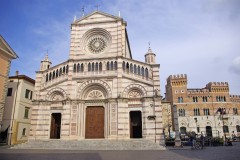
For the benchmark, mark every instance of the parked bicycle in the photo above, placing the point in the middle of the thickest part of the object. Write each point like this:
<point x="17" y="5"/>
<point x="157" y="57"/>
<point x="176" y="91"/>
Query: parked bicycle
<point x="197" y="145"/>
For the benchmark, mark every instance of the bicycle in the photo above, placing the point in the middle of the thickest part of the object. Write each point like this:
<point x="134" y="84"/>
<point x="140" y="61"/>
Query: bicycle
<point x="197" y="146"/>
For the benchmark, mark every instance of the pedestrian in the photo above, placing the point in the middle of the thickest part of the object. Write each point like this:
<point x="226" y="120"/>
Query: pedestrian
<point x="202" y="140"/>
<point x="233" y="136"/>
<point x="193" y="139"/>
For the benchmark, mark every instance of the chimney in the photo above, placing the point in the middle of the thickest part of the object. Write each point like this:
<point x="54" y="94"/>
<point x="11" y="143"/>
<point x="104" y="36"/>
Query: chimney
<point x="17" y="72"/>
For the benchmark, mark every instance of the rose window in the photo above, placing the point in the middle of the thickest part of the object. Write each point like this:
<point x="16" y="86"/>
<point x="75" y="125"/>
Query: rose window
<point x="97" y="44"/>
<point x="96" y="41"/>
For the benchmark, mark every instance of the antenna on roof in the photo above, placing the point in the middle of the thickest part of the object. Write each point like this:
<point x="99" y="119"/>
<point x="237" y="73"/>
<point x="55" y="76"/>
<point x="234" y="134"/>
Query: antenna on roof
<point x="82" y="11"/>
<point x="98" y="5"/>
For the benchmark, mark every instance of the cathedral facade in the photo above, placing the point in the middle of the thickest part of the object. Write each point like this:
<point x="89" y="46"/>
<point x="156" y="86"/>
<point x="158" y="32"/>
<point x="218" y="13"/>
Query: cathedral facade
<point x="100" y="92"/>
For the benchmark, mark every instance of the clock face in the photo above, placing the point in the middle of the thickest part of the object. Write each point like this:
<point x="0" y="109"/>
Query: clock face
<point x="96" y="41"/>
<point x="97" y="44"/>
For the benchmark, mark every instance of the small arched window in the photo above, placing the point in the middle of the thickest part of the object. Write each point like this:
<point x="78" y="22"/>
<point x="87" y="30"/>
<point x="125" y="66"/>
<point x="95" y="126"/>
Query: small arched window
<point x="96" y="66"/>
<point x="111" y="67"/>
<point x="142" y="71"/>
<point x="135" y="69"/>
<point x="50" y="76"/>
<point x="100" y="66"/>
<point x="131" y="68"/>
<point x="123" y="65"/>
<point x="92" y="66"/>
<point x="78" y="67"/>
<point x="115" y="65"/>
<point x="46" y="77"/>
<point x="108" y="66"/>
<point x="24" y="132"/>
<point x="60" y="73"/>
<point x="67" y="69"/>
<point x="74" y="68"/>
<point x="127" y="67"/>
<point x="53" y="75"/>
<point x="64" y="69"/>
<point x="57" y="73"/>
<point x="146" y="73"/>
<point x="139" y="72"/>
<point x="82" y="67"/>
<point x="89" y="67"/>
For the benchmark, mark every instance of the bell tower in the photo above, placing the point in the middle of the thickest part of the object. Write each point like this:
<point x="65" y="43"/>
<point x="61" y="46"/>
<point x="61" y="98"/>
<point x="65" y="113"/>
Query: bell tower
<point x="45" y="64"/>
<point x="150" y="57"/>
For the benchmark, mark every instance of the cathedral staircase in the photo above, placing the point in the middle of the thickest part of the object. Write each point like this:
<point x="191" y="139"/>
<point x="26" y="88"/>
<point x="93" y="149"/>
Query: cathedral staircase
<point x="138" y="144"/>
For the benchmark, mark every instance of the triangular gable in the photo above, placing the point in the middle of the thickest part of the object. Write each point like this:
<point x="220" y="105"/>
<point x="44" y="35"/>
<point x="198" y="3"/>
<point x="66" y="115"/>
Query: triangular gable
<point x="5" y="47"/>
<point x="97" y="16"/>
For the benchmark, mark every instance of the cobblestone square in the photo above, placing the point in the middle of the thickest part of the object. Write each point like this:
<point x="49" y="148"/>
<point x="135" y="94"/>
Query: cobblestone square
<point x="185" y="153"/>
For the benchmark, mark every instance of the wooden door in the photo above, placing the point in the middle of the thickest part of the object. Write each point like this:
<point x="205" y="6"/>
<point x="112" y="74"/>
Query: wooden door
<point x="55" y="126"/>
<point x="94" y="122"/>
<point x="135" y="124"/>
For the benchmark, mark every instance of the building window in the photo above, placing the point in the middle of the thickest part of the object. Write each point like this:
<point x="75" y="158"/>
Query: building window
<point x="146" y="73"/>
<point x="89" y="67"/>
<point x="78" y="68"/>
<point x="225" y="129"/>
<point x="206" y="111"/>
<point x="181" y="112"/>
<point x="26" y="112"/>
<point x="238" y="128"/>
<point x="205" y="99"/>
<point x="135" y="69"/>
<point x="24" y="132"/>
<point x="28" y="94"/>
<point x="115" y="65"/>
<point x="123" y="65"/>
<point x="180" y="99"/>
<point x="198" y="129"/>
<point x="195" y="99"/>
<point x="196" y="112"/>
<point x="235" y="111"/>
<point x="9" y="92"/>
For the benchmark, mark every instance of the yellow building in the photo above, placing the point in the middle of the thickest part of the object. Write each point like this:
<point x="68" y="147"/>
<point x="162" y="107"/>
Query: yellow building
<point x="6" y="55"/>
<point x="18" y="108"/>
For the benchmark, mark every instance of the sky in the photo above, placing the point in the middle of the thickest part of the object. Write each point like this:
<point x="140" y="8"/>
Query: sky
<point x="200" y="38"/>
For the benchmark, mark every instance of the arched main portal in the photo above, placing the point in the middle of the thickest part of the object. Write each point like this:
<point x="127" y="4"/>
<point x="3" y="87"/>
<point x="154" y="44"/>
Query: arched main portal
<point x="95" y="120"/>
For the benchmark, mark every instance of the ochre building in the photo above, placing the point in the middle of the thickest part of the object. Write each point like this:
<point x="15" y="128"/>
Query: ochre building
<point x="210" y="110"/>
<point x="100" y="92"/>
<point x="6" y="55"/>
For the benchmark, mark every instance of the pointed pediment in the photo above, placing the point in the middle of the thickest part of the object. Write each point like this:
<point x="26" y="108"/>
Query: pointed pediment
<point x="6" y="49"/>
<point x="96" y="17"/>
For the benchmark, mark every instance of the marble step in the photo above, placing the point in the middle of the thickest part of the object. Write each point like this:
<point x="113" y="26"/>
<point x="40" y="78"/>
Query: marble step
<point x="91" y="145"/>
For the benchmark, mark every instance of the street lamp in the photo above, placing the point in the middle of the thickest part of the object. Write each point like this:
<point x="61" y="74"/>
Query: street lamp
<point x="196" y="123"/>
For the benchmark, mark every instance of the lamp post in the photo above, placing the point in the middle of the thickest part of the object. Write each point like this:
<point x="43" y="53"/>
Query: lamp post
<point x="196" y="123"/>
